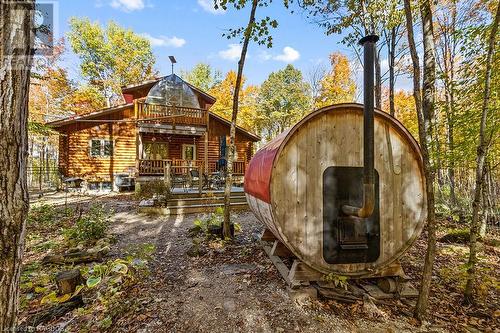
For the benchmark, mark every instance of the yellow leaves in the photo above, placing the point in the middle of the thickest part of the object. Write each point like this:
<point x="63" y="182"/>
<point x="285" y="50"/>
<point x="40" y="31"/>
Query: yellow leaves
<point x="53" y="298"/>
<point x="224" y="91"/>
<point x="338" y="85"/>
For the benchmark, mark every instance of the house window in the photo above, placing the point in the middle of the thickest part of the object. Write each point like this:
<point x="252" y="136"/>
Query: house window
<point x="155" y="150"/>
<point x="189" y="152"/>
<point x="101" y="148"/>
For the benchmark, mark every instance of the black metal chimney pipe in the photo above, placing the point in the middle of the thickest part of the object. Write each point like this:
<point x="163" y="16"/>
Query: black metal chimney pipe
<point x="369" y="50"/>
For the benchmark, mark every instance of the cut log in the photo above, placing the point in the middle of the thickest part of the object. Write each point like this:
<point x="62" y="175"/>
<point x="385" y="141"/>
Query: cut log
<point x="67" y="281"/>
<point x="387" y="285"/>
<point x="72" y="258"/>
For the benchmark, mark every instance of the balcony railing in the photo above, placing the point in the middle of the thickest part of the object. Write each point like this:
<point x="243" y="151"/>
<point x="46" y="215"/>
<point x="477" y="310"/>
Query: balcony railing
<point x="157" y="167"/>
<point x="174" y="115"/>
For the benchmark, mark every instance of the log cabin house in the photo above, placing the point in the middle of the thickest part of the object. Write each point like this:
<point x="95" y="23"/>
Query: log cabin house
<point x="163" y="122"/>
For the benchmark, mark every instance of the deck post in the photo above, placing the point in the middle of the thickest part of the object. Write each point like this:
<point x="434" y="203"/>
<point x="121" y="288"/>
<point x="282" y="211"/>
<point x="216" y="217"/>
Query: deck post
<point x="200" y="177"/>
<point x="205" y="150"/>
<point x="166" y="177"/>
<point x="137" y="134"/>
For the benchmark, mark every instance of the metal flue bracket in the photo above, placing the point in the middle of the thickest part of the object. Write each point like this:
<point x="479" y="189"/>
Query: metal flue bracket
<point x="369" y="49"/>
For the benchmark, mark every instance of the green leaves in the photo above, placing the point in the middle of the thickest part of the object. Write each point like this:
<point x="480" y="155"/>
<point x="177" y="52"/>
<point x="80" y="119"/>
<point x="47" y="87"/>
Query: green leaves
<point x="93" y="281"/>
<point x="257" y="31"/>
<point x="111" y="56"/>
<point x="284" y="98"/>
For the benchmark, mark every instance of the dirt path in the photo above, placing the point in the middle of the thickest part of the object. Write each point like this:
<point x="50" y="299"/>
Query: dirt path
<point x="234" y="288"/>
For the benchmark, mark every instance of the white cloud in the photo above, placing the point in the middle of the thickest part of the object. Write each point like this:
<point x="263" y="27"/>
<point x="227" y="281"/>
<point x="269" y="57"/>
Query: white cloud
<point x="264" y="55"/>
<point x="208" y="6"/>
<point x="128" y="5"/>
<point x="289" y="55"/>
<point x="384" y="65"/>
<point x="232" y="52"/>
<point x="164" y="41"/>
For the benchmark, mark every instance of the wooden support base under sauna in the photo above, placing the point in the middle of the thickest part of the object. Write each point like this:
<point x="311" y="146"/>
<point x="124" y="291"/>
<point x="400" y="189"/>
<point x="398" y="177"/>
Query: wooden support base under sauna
<point x="391" y="282"/>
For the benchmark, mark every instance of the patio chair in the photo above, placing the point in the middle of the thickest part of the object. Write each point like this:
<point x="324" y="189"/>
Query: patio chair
<point x="208" y="182"/>
<point x="195" y="177"/>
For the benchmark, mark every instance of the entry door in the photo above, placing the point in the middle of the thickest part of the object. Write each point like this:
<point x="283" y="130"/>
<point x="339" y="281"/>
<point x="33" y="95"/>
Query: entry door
<point x="155" y="150"/>
<point x="189" y="152"/>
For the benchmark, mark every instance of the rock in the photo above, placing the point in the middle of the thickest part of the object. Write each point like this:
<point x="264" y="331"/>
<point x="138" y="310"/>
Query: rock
<point x="147" y="203"/>
<point x="233" y="269"/>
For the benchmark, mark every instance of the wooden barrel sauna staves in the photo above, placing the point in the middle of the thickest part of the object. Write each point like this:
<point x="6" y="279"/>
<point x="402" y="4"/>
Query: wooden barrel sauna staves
<point x="297" y="182"/>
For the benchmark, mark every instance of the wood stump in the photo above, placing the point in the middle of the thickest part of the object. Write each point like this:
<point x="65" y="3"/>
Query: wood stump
<point x="67" y="281"/>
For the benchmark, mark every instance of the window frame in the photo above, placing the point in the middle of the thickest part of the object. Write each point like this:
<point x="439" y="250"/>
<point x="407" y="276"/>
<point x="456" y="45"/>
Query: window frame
<point x="102" y="144"/>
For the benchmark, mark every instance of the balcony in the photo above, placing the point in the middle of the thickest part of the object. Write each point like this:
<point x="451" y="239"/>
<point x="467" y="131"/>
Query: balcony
<point x="171" y="115"/>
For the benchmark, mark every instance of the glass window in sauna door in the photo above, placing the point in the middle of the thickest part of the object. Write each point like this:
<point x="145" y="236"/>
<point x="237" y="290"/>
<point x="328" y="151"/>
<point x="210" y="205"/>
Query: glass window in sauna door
<point x="155" y="151"/>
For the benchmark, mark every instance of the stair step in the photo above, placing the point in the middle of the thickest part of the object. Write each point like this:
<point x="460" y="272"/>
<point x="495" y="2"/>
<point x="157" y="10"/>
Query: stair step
<point x="208" y="200"/>
<point x="201" y="208"/>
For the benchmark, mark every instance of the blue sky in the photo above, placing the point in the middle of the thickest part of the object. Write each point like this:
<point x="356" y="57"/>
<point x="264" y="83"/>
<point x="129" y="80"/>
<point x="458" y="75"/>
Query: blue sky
<point x="192" y="31"/>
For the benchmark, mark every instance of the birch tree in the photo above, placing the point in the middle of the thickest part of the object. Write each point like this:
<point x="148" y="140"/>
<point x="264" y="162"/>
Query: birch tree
<point x="482" y="151"/>
<point x="259" y="32"/>
<point x="424" y="103"/>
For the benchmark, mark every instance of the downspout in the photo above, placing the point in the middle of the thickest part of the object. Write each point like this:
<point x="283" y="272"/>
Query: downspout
<point x="366" y="210"/>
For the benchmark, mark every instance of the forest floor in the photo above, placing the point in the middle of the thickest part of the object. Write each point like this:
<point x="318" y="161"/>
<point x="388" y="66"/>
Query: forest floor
<point x="234" y="287"/>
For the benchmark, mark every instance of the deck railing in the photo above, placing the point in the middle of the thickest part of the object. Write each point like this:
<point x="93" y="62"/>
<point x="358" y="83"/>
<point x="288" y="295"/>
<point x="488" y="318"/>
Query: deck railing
<point x="179" y="166"/>
<point x="171" y="114"/>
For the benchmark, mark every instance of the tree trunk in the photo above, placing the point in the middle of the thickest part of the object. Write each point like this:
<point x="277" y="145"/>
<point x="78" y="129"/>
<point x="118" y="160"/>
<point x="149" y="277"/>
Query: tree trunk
<point x="232" y="135"/>
<point x="392" y="55"/>
<point x="378" y="81"/>
<point x="16" y="43"/>
<point x="482" y="151"/>
<point x="424" y="108"/>
<point x="41" y="160"/>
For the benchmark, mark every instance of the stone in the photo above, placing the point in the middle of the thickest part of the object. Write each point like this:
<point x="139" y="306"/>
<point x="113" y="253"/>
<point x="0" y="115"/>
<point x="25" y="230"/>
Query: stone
<point x="234" y="269"/>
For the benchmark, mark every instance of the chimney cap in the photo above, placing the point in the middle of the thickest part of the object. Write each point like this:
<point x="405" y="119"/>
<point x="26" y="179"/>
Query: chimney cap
<point x="369" y="38"/>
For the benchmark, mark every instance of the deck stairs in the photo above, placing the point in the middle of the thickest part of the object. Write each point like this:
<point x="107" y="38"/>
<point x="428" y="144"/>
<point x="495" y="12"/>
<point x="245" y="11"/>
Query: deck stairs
<point x="191" y="203"/>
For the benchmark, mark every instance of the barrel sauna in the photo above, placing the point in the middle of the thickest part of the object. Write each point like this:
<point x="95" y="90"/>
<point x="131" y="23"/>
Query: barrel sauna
<point x="298" y="183"/>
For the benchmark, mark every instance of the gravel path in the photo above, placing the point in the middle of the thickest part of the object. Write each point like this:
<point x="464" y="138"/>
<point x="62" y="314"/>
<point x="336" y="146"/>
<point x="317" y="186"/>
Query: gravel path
<point x="231" y="288"/>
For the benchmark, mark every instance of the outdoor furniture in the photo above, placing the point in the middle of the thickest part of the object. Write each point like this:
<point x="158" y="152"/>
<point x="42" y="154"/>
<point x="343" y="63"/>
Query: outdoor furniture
<point x="207" y="182"/>
<point x="218" y="179"/>
<point x="195" y="177"/>
<point x="178" y="179"/>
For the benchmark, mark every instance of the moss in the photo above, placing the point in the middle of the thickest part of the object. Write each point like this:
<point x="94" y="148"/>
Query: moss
<point x="460" y="236"/>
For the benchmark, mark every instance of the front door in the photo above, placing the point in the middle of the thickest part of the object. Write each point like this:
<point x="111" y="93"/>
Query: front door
<point x="189" y="152"/>
<point x="155" y="150"/>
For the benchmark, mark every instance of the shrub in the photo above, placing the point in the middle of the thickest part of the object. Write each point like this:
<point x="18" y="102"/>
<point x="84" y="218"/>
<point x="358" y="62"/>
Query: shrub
<point x="90" y="226"/>
<point x="152" y="189"/>
<point x="42" y="215"/>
